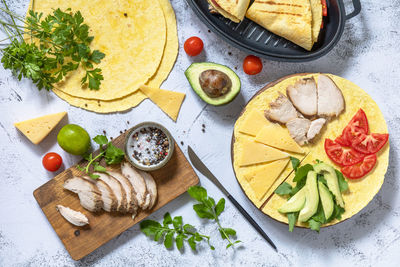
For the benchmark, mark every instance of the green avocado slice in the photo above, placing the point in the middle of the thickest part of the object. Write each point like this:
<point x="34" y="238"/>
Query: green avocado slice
<point x="295" y="203"/>
<point x="332" y="181"/>
<point x="193" y="75"/>
<point x="326" y="200"/>
<point x="312" y="197"/>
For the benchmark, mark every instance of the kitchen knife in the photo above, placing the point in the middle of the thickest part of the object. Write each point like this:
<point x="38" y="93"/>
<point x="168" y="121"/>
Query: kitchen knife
<point x="199" y="165"/>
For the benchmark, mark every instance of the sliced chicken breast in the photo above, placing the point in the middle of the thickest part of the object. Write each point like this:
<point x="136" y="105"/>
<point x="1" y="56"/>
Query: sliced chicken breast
<point x="315" y="128"/>
<point x="281" y="110"/>
<point x="298" y="129"/>
<point x="330" y="98"/>
<point x="137" y="181"/>
<point x="108" y="197"/>
<point x="303" y="95"/>
<point x="151" y="188"/>
<point x="117" y="189"/>
<point x="89" y="195"/>
<point x="75" y="217"/>
<point x="131" y="202"/>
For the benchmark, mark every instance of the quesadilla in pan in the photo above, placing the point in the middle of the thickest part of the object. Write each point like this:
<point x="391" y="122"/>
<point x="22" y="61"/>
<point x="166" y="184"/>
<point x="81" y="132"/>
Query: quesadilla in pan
<point x="291" y="19"/>
<point x="231" y="9"/>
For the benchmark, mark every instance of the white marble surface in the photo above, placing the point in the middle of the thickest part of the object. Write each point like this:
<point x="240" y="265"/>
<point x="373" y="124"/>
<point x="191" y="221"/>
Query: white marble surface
<point x="367" y="54"/>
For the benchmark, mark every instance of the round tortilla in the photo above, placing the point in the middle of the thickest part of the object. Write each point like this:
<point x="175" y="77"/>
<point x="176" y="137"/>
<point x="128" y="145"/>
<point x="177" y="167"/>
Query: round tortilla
<point x="360" y="191"/>
<point x="133" y="44"/>
<point x="132" y="100"/>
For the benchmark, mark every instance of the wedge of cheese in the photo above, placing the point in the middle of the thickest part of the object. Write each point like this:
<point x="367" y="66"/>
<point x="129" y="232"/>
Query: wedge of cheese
<point x="168" y="101"/>
<point x="276" y="136"/>
<point x="254" y="153"/>
<point x="38" y="128"/>
<point x="262" y="178"/>
<point x="253" y="123"/>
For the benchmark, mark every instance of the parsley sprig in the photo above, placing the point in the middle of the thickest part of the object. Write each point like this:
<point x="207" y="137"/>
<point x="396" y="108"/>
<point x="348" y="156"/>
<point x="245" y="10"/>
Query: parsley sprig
<point x="107" y="151"/>
<point x="179" y="232"/>
<point x="207" y="209"/>
<point x="59" y="44"/>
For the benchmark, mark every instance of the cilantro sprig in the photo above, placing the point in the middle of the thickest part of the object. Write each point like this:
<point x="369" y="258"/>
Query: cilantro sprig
<point x="59" y="44"/>
<point x="179" y="232"/>
<point x="107" y="151"/>
<point x="207" y="209"/>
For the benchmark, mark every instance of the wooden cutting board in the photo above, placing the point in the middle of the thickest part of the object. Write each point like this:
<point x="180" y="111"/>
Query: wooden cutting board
<point x="172" y="180"/>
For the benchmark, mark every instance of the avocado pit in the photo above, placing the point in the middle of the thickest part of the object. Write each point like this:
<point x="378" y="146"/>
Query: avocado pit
<point x="215" y="83"/>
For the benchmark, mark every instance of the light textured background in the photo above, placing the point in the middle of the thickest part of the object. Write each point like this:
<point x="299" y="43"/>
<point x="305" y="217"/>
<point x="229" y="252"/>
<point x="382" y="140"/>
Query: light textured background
<point x="367" y="54"/>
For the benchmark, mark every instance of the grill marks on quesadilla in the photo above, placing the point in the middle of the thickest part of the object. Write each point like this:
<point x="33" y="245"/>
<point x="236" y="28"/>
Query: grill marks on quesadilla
<point x="280" y="13"/>
<point x="276" y="3"/>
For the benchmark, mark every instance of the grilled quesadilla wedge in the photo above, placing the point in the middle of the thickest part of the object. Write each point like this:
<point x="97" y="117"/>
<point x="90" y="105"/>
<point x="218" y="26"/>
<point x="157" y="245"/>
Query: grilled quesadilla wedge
<point x="231" y="9"/>
<point x="291" y="19"/>
<point x="316" y="10"/>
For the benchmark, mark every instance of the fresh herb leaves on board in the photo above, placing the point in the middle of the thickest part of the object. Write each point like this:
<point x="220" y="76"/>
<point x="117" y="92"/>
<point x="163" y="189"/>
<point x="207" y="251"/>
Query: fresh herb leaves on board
<point x="107" y="151"/>
<point x="52" y="47"/>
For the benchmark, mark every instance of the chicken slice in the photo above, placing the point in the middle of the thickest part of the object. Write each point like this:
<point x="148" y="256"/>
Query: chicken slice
<point x="151" y="188"/>
<point x="75" y="217"/>
<point x="131" y="202"/>
<point x="330" y="97"/>
<point x="315" y="128"/>
<point x="137" y="182"/>
<point x="303" y="95"/>
<point x="89" y="195"/>
<point x="298" y="129"/>
<point x="281" y="110"/>
<point x="117" y="189"/>
<point x="108" y="197"/>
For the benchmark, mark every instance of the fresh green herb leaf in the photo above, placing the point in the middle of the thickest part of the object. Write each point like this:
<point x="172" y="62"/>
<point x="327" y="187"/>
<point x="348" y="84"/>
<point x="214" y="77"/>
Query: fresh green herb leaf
<point x="179" y="241"/>
<point x="197" y="192"/>
<point x="167" y="219"/>
<point x="113" y="155"/>
<point x="314" y="225"/>
<point x="284" y="189"/>
<point x="219" y="208"/>
<point x="168" y="240"/>
<point x="192" y="242"/>
<point x="177" y="222"/>
<point x="292" y="218"/>
<point x="98" y="168"/>
<point x="343" y="185"/>
<point x="101" y="139"/>
<point x="302" y="172"/>
<point x="295" y="163"/>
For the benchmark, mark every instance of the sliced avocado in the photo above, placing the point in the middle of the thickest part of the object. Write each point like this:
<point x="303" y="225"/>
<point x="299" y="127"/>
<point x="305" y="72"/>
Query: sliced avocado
<point x="216" y="84"/>
<point x="332" y="181"/>
<point x="295" y="203"/>
<point x="326" y="200"/>
<point x="312" y="197"/>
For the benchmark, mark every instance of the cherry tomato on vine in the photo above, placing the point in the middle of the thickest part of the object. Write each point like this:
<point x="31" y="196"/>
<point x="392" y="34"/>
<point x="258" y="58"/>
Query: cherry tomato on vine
<point x="193" y="46"/>
<point x="252" y="65"/>
<point x="52" y="161"/>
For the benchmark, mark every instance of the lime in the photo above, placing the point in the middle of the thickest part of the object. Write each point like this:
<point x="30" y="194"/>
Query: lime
<point x="74" y="139"/>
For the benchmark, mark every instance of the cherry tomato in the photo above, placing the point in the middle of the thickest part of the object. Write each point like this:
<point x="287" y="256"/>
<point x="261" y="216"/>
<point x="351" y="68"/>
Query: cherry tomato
<point x="370" y="143"/>
<point x="252" y="65"/>
<point x="52" y="161"/>
<point x="340" y="155"/>
<point x="360" y="169"/>
<point x="193" y="46"/>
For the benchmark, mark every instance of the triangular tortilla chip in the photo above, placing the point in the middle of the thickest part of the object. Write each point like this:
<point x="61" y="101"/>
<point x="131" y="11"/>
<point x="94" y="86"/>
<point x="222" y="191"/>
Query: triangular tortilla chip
<point x="290" y="19"/>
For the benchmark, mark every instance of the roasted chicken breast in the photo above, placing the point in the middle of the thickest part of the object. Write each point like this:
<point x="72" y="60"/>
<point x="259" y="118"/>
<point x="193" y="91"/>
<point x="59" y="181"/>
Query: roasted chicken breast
<point x="281" y="110"/>
<point x="303" y="95"/>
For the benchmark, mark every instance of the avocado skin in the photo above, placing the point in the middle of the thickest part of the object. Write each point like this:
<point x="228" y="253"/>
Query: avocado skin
<point x="193" y="73"/>
<point x="326" y="200"/>
<point x="312" y="197"/>
<point x="332" y="181"/>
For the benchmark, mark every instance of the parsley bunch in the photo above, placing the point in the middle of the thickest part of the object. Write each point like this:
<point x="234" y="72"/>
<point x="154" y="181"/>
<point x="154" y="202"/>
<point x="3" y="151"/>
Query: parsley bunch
<point x="179" y="232"/>
<point x="300" y="179"/>
<point x="59" y="44"/>
<point x="107" y="151"/>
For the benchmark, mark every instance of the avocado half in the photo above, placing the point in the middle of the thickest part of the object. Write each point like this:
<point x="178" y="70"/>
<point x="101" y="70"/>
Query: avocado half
<point x="193" y="73"/>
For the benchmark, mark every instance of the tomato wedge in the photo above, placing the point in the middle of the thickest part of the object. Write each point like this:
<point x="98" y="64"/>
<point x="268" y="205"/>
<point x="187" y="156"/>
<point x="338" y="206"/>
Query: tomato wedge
<point x="342" y="140"/>
<point x="340" y="155"/>
<point x="370" y="143"/>
<point x="357" y="125"/>
<point x="360" y="169"/>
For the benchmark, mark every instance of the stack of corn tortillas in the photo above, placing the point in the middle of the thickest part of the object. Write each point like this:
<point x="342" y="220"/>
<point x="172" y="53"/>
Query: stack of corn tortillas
<point x="139" y="39"/>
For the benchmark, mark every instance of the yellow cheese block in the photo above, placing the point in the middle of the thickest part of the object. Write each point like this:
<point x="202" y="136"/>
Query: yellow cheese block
<point x="168" y="101"/>
<point x="253" y="123"/>
<point x="38" y="128"/>
<point x="276" y="136"/>
<point x="254" y="153"/>
<point x="263" y="177"/>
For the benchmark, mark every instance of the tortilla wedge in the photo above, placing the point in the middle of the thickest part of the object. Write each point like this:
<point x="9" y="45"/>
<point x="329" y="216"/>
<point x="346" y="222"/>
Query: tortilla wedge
<point x="231" y="9"/>
<point x="316" y="10"/>
<point x="291" y="19"/>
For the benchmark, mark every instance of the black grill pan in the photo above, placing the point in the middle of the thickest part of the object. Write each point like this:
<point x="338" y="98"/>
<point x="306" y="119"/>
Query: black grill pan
<point x="254" y="39"/>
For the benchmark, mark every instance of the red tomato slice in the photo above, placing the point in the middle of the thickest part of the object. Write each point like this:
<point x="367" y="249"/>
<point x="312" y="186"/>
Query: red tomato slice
<point x="360" y="169"/>
<point x="340" y="155"/>
<point x="357" y="125"/>
<point x="342" y="139"/>
<point x="370" y="143"/>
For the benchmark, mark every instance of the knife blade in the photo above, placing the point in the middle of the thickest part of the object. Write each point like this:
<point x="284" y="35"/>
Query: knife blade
<point x="202" y="168"/>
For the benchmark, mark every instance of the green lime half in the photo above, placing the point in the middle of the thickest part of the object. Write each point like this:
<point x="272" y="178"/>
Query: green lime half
<point x="74" y="139"/>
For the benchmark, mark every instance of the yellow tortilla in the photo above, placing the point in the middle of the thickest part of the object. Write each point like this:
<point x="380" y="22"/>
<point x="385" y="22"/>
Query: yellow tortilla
<point x="133" y="44"/>
<point x="316" y="10"/>
<point x="361" y="191"/>
<point x="231" y="9"/>
<point x="291" y="19"/>
<point x="132" y="100"/>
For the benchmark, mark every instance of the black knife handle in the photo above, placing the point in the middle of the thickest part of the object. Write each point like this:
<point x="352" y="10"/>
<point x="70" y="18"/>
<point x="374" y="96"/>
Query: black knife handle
<point x="251" y="221"/>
